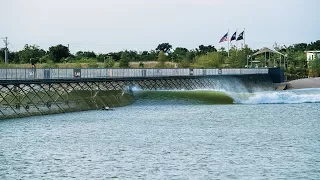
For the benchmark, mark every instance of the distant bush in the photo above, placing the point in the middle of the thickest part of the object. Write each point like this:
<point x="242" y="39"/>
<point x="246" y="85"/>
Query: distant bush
<point x="211" y="60"/>
<point x="49" y="64"/>
<point x="77" y="65"/>
<point x="93" y="65"/>
<point x="87" y="60"/>
<point x="141" y="65"/>
<point x="109" y="63"/>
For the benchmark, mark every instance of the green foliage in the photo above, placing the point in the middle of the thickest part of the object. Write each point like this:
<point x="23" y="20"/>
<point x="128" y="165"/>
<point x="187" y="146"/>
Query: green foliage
<point x="164" y="47"/>
<point x="204" y="56"/>
<point x="45" y="59"/>
<point x="211" y="60"/>
<point x="314" y="70"/>
<point x="184" y="63"/>
<point x="77" y="65"/>
<point x="93" y="65"/>
<point x="2" y="64"/>
<point x="190" y="56"/>
<point x="238" y="57"/>
<point x="162" y="58"/>
<point x="108" y="63"/>
<point x="203" y="50"/>
<point x="87" y="60"/>
<point x="298" y="47"/>
<point x="297" y="59"/>
<point x="1" y="60"/>
<point x="178" y="54"/>
<point x="124" y="60"/>
<point x="49" y="64"/>
<point x="30" y="52"/>
<point x="314" y="46"/>
<point x="148" y="55"/>
<point x="58" y="52"/>
<point x="223" y="51"/>
<point x="85" y="54"/>
<point x="141" y="65"/>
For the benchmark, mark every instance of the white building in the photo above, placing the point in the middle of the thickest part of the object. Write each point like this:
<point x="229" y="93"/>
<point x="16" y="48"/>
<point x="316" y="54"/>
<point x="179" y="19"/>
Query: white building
<point x="311" y="55"/>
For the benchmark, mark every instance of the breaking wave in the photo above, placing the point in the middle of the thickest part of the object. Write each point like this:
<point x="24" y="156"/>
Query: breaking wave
<point x="225" y="97"/>
<point x="279" y="97"/>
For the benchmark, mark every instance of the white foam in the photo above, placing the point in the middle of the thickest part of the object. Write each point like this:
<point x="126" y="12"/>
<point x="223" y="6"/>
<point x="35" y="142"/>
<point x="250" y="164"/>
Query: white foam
<point x="279" y="97"/>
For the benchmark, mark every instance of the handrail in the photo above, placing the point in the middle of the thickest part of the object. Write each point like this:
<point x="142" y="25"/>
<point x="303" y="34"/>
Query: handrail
<point x="78" y="73"/>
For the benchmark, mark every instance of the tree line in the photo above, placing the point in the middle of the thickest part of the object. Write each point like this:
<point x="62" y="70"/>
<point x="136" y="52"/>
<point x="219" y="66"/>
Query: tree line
<point x="204" y="56"/>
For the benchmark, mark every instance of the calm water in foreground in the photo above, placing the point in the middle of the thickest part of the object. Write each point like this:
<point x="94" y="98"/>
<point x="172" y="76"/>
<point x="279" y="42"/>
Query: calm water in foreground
<point x="275" y="141"/>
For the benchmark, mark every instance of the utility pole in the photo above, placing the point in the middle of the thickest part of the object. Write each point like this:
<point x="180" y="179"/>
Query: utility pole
<point x="6" y="50"/>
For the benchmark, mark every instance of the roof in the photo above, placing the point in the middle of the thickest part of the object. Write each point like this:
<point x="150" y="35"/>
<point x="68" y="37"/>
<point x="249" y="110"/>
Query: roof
<point x="265" y="49"/>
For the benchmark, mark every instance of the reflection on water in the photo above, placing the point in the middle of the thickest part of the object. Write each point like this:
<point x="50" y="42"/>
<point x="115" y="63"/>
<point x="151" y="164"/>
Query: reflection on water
<point x="159" y="141"/>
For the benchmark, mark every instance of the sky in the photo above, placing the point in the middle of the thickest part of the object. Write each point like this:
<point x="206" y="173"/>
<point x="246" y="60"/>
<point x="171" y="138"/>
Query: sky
<point x="113" y="25"/>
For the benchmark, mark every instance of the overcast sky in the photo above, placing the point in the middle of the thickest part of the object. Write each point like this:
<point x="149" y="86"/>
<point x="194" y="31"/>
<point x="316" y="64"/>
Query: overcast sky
<point x="113" y="25"/>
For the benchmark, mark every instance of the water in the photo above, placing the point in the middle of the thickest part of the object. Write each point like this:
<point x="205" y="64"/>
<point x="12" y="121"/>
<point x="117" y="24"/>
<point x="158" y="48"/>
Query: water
<point x="252" y="140"/>
<point x="278" y="97"/>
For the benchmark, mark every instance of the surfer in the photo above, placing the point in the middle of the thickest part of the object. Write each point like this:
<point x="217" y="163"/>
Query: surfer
<point x="106" y="108"/>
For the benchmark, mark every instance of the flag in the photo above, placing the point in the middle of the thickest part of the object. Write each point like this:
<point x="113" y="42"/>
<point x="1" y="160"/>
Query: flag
<point x="233" y="37"/>
<point x="240" y="37"/>
<point x="224" y="38"/>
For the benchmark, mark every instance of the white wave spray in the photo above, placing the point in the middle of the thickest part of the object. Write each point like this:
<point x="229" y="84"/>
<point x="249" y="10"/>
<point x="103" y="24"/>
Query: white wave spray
<point x="278" y="97"/>
<point x="256" y="93"/>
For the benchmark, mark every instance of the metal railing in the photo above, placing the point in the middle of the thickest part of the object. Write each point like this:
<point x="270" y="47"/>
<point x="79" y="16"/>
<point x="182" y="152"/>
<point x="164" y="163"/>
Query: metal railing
<point x="87" y="73"/>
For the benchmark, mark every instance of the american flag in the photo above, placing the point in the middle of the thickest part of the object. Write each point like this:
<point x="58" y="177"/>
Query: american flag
<point x="224" y="38"/>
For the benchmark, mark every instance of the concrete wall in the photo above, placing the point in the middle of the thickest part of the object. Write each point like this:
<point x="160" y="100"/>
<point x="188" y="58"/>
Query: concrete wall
<point x="276" y="75"/>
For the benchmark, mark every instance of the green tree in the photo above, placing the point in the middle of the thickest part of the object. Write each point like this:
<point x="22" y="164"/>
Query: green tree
<point x="45" y="59"/>
<point x="165" y="47"/>
<point x="179" y="53"/>
<point x="297" y="59"/>
<point x="211" y="60"/>
<point x="162" y="58"/>
<point x="124" y="60"/>
<point x="13" y="57"/>
<point x="85" y="54"/>
<point x="29" y="53"/>
<point x="141" y="65"/>
<point x="115" y="55"/>
<point x="238" y="57"/>
<point x="109" y="62"/>
<point x="223" y="51"/>
<point x="299" y="47"/>
<point x="314" y="69"/>
<point x="206" y="49"/>
<point x="314" y="46"/>
<point x="58" y="52"/>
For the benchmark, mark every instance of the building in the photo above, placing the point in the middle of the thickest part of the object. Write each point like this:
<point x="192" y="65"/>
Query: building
<point x="311" y="55"/>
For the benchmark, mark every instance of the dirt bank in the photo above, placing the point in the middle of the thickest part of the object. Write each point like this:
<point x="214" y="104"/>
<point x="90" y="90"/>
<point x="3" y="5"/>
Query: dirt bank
<point x="304" y="83"/>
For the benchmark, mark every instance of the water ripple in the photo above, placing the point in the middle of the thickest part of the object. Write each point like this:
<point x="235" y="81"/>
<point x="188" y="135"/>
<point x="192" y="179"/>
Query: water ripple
<point x="166" y="142"/>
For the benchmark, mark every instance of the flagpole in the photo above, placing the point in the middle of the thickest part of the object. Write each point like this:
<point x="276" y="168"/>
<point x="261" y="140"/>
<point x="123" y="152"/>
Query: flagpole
<point x="236" y="39"/>
<point x="244" y="37"/>
<point x="228" y="44"/>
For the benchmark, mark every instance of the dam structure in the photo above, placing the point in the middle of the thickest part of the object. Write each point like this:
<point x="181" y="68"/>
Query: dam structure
<point x="40" y="91"/>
